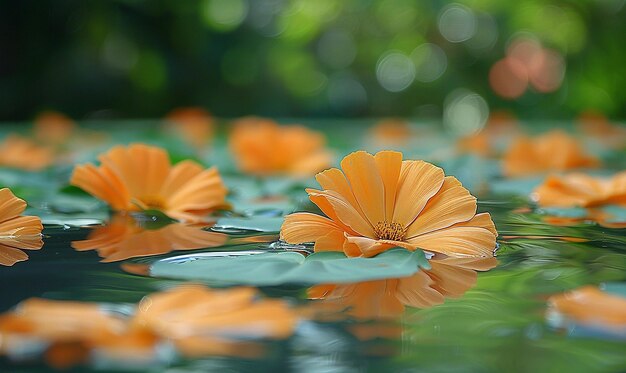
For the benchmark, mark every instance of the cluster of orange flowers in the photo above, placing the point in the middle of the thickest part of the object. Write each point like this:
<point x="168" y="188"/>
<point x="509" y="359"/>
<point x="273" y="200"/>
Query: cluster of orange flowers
<point x="197" y="320"/>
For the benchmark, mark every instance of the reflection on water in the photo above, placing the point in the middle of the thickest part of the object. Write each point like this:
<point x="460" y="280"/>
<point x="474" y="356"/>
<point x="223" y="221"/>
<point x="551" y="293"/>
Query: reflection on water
<point x="124" y="237"/>
<point x="386" y="299"/>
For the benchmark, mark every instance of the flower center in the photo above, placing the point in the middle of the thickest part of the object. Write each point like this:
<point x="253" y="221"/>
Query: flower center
<point x="153" y="202"/>
<point x="393" y="231"/>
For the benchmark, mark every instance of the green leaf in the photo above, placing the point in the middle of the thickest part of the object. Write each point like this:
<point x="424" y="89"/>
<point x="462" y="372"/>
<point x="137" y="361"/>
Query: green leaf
<point x="276" y="268"/>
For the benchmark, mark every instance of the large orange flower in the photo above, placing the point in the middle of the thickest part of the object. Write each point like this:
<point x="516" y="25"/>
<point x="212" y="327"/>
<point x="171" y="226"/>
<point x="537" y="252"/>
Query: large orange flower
<point x="380" y="202"/>
<point x="447" y="278"/>
<point x="16" y="232"/>
<point x="582" y="190"/>
<point x="141" y="177"/>
<point x="124" y="238"/>
<point x="22" y="153"/>
<point x="553" y="151"/>
<point x="262" y="147"/>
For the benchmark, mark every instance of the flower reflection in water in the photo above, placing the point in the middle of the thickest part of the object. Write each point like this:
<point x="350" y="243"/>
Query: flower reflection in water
<point x="387" y="299"/>
<point x="193" y="319"/>
<point x="124" y="237"/>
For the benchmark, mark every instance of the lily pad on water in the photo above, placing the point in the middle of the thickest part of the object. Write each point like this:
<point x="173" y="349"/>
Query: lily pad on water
<point x="260" y="224"/>
<point x="277" y="268"/>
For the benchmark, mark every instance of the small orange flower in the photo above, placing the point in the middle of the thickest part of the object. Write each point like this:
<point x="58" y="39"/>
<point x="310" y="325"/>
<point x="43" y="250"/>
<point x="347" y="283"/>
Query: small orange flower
<point x="380" y="202"/>
<point x="16" y="232"/>
<point x="581" y="190"/>
<point x="590" y="305"/>
<point x="194" y="124"/>
<point x="447" y="278"/>
<point x="53" y="128"/>
<point x="391" y="132"/>
<point x="141" y="177"/>
<point x="261" y="147"/>
<point x="22" y="153"/>
<point x="124" y="238"/>
<point x="553" y="151"/>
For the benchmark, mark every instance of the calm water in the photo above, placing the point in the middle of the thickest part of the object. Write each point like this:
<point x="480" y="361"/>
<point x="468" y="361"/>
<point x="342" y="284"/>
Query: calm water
<point x="500" y="323"/>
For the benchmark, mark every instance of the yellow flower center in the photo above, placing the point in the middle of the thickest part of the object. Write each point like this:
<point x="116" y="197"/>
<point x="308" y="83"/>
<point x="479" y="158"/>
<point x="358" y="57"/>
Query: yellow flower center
<point x="393" y="231"/>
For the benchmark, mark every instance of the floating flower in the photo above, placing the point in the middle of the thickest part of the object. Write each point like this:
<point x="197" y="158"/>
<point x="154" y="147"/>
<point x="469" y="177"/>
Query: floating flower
<point x="197" y="320"/>
<point x="16" y="232"/>
<point x="53" y="128"/>
<point x="590" y="306"/>
<point x="124" y="238"/>
<point x="140" y="177"/>
<point x="22" y="153"/>
<point x="261" y="147"/>
<point x="194" y="124"/>
<point x="581" y="190"/>
<point x="447" y="278"/>
<point x="391" y="132"/>
<point x="380" y="202"/>
<point x="553" y="151"/>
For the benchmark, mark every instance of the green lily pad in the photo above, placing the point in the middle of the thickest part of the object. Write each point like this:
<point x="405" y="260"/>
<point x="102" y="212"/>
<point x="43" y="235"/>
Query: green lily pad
<point x="260" y="224"/>
<point x="276" y="268"/>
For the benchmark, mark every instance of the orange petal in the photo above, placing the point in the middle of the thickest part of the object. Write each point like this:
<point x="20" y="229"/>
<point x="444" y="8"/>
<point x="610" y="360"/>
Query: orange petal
<point x="306" y="227"/>
<point x="418" y="182"/>
<point x="11" y="255"/>
<point x="367" y="246"/>
<point x="473" y="238"/>
<point x="340" y="211"/>
<point x="366" y="184"/>
<point x="10" y="205"/>
<point x="452" y="204"/>
<point x="389" y="165"/>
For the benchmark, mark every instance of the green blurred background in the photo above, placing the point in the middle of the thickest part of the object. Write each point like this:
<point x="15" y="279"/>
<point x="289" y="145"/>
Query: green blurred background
<point x="313" y="58"/>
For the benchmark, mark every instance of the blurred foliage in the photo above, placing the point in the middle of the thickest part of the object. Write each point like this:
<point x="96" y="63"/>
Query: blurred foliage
<point x="133" y="58"/>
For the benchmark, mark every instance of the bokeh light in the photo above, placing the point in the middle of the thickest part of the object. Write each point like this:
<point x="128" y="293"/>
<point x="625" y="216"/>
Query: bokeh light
<point x="465" y="112"/>
<point x="395" y="71"/>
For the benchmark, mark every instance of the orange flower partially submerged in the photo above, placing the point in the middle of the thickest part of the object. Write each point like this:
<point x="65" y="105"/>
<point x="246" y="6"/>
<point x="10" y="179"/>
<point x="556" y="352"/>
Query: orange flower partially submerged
<point x="380" y="202"/>
<point x="448" y="278"/>
<point x="553" y="151"/>
<point x="261" y="147"/>
<point x="124" y="238"/>
<point x="592" y="306"/>
<point x="194" y="124"/>
<point x="19" y="152"/>
<point x="581" y="190"/>
<point x="140" y="177"/>
<point x="17" y="232"/>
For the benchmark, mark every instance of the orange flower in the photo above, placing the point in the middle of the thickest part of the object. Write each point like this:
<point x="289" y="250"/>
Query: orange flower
<point x="501" y="126"/>
<point x="261" y="147"/>
<point x="391" y="132"/>
<point x="141" y="177"/>
<point x="196" y="311"/>
<point x="380" y="202"/>
<point x="53" y="128"/>
<point x="449" y="277"/>
<point x="596" y="125"/>
<point x="16" y="232"/>
<point x="19" y="152"/>
<point x="554" y="151"/>
<point x="581" y="190"/>
<point x="124" y="238"/>
<point x="590" y="305"/>
<point x="194" y="124"/>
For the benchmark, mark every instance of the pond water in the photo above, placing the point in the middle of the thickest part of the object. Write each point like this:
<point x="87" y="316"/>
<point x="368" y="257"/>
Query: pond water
<point x="447" y="315"/>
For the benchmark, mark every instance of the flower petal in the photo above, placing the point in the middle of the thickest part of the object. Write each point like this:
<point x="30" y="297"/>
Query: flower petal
<point x="418" y="182"/>
<point x="10" y="205"/>
<point x="366" y="246"/>
<point x="389" y="165"/>
<point x="452" y="204"/>
<point x="366" y="184"/>
<point x="304" y="227"/>
<point x="341" y="211"/>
